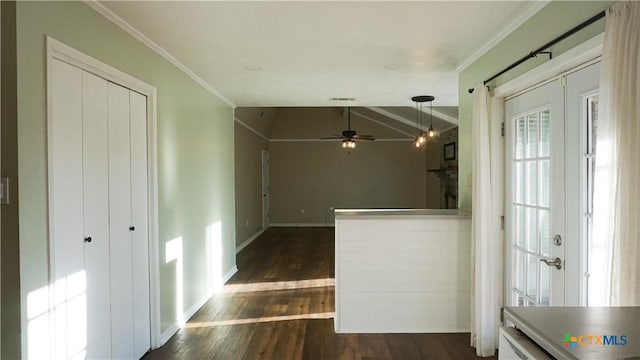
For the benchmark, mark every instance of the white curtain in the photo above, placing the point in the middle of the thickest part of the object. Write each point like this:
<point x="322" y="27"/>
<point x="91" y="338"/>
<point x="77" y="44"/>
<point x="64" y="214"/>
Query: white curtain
<point x="616" y="249"/>
<point x="486" y="233"/>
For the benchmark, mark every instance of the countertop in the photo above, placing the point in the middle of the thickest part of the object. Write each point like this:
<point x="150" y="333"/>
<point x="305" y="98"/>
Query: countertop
<point x="548" y="326"/>
<point x="402" y="213"/>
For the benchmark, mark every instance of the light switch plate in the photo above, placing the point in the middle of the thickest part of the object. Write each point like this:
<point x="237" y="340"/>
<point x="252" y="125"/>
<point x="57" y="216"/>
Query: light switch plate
<point x="4" y="190"/>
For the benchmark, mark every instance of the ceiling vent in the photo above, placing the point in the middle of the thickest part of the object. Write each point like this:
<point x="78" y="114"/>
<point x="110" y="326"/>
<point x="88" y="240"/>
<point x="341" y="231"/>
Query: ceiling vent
<point x="342" y="99"/>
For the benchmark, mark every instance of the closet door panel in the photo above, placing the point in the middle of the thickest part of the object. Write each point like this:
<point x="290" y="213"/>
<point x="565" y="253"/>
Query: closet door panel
<point x="96" y="215"/>
<point x="66" y="213"/>
<point x="139" y="213"/>
<point x="66" y="170"/>
<point x="120" y="221"/>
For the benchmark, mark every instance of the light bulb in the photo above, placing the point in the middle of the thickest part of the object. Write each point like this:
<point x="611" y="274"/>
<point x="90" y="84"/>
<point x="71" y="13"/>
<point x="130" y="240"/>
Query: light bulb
<point x="416" y="143"/>
<point x="422" y="139"/>
<point x="344" y="144"/>
<point x="352" y="144"/>
<point x="432" y="133"/>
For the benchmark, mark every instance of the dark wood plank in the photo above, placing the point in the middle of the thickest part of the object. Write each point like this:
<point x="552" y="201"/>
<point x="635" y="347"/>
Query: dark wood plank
<point x="247" y="322"/>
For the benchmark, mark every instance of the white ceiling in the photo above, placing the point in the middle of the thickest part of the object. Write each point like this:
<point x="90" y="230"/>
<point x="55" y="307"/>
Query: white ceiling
<point x="302" y="53"/>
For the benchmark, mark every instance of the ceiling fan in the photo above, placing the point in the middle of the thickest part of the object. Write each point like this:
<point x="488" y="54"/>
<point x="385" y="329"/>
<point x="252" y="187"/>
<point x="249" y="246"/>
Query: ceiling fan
<point x="349" y="136"/>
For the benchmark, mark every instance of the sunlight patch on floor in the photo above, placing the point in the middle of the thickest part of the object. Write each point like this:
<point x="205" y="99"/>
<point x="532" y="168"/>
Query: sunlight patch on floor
<point x="279" y="285"/>
<point x="203" y="324"/>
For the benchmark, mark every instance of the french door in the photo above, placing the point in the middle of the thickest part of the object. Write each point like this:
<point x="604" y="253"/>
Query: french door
<point x="535" y="196"/>
<point x="550" y="149"/>
<point x="549" y="171"/>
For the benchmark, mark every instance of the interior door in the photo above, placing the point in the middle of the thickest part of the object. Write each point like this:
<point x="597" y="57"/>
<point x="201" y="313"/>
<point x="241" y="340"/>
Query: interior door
<point x="265" y="190"/>
<point x="535" y="202"/>
<point x="99" y="217"/>
<point x="139" y="224"/>
<point x="96" y="220"/>
<point x="119" y="222"/>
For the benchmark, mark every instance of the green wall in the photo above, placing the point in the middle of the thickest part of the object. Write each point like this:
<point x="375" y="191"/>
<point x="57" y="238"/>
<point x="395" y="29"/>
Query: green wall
<point x="195" y="150"/>
<point x="553" y="20"/>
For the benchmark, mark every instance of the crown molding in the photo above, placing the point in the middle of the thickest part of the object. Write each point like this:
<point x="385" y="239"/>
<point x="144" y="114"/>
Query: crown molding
<point x="102" y="10"/>
<point x="251" y="129"/>
<point x="357" y="113"/>
<point x="506" y="31"/>
<point x="442" y="116"/>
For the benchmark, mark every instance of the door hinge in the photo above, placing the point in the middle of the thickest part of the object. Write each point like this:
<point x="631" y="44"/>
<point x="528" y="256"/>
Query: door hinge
<point x="502" y="222"/>
<point x="502" y="129"/>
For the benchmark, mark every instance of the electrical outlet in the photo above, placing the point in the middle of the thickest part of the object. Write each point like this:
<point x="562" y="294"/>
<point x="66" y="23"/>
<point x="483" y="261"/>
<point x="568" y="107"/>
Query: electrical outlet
<point x="301" y="211"/>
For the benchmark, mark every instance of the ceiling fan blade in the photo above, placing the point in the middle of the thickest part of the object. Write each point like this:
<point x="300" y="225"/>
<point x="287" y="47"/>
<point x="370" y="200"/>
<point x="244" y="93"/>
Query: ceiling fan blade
<point x="332" y="137"/>
<point x="364" y="137"/>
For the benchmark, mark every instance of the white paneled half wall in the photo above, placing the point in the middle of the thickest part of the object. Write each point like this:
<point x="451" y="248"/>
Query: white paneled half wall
<point x="402" y="271"/>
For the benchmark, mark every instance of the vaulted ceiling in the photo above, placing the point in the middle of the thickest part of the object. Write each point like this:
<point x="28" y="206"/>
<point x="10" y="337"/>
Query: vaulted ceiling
<point x="305" y="53"/>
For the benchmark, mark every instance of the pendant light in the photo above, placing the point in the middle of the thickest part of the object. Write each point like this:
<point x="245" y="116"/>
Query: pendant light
<point x="421" y="137"/>
<point x="433" y="135"/>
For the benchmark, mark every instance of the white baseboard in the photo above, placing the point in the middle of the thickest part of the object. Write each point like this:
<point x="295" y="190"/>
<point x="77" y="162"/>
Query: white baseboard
<point x="167" y="334"/>
<point x="173" y="329"/>
<point x="249" y="240"/>
<point x="227" y="276"/>
<point x="302" y="225"/>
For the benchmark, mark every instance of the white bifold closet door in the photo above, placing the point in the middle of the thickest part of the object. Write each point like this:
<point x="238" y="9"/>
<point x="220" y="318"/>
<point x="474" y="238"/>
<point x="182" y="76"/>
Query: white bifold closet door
<point x="99" y="215"/>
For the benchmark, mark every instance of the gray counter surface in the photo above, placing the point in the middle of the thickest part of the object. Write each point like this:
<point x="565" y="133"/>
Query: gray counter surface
<point x="402" y="213"/>
<point x="548" y="326"/>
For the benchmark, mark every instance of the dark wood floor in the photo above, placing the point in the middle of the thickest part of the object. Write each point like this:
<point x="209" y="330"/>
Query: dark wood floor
<point x="280" y="305"/>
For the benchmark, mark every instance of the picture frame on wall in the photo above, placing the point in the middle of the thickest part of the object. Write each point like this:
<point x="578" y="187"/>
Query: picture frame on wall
<point x="449" y="151"/>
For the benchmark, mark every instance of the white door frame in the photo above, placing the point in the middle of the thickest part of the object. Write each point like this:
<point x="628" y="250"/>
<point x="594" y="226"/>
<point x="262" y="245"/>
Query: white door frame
<point x="266" y="193"/>
<point x="60" y="51"/>
<point x="572" y="60"/>
<point x="3" y="189"/>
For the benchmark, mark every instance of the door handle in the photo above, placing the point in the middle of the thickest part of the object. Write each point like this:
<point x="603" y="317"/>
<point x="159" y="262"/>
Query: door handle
<point x="88" y="239"/>
<point x="557" y="262"/>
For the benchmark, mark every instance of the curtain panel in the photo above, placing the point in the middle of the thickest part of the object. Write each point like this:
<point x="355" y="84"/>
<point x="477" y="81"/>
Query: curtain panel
<point x="487" y="237"/>
<point x="617" y="177"/>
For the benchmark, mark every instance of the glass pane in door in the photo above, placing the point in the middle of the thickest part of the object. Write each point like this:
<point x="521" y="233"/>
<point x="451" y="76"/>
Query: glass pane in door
<point x="532" y="205"/>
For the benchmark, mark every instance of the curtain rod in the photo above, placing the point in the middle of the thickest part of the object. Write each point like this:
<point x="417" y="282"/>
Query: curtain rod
<point x="541" y="49"/>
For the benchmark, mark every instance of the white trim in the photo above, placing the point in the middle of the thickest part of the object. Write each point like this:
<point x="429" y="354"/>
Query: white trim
<point x="381" y="123"/>
<point x="302" y="140"/>
<point x="65" y="53"/>
<point x="167" y="334"/>
<point x="569" y="61"/>
<point x="249" y="240"/>
<point x="335" y="140"/>
<point x="229" y="274"/>
<point x="442" y="116"/>
<point x="173" y="329"/>
<point x="301" y="225"/>
<point x="155" y="47"/>
<point x="438" y="114"/>
<point x="250" y="128"/>
<point x="506" y="31"/>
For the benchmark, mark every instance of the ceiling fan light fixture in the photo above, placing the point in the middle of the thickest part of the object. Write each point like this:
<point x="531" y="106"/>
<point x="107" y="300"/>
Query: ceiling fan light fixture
<point x="348" y="144"/>
<point x="349" y="137"/>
